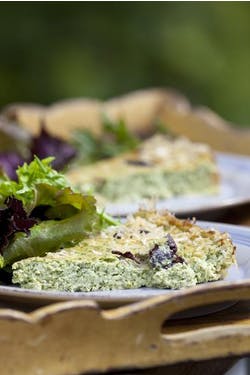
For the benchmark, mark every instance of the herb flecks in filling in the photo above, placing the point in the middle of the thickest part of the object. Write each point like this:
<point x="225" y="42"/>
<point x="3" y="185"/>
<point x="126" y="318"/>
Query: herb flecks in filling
<point x="144" y="231"/>
<point x="118" y="236"/>
<point x="140" y="163"/>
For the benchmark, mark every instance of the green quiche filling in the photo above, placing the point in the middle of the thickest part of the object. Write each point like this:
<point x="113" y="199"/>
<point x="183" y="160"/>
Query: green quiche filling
<point x="159" y="168"/>
<point x="149" y="250"/>
<point x="158" y="183"/>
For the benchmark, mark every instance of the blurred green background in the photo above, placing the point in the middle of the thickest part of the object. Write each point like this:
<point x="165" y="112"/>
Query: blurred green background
<point x="51" y="51"/>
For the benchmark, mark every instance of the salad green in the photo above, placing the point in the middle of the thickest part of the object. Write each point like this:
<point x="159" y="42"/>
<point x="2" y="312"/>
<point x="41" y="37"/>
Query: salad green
<point x="115" y="139"/>
<point x="82" y="148"/>
<point x="62" y="216"/>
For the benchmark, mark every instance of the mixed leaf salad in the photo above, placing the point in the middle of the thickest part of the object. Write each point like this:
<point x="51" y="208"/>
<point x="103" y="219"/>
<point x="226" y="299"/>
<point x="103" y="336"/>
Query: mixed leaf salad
<point x="115" y="138"/>
<point x="40" y="213"/>
<point x="83" y="148"/>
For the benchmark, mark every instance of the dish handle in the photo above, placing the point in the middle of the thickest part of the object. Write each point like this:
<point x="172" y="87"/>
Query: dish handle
<point x="77" y="337"/>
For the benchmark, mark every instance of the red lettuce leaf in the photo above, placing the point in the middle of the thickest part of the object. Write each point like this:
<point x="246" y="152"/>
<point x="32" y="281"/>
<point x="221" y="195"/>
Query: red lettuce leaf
<point x="10" y="161"/>
<point x="13" y="219"/>
<point x="45" y="145"/>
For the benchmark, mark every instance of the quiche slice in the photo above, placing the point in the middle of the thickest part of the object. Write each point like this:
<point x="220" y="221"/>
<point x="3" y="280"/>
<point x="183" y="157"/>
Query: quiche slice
<point x="160" y="168"/>
<point x="148" y="250"/>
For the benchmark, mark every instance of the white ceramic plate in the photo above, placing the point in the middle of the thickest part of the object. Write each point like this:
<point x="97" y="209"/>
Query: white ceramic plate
<point x="23" y="298"/>
<point x="235" y="189"/>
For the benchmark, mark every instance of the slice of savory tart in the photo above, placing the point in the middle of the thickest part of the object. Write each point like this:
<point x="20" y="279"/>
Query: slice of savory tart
<point x="149" y="250"/>
<point x="160" y="168"/>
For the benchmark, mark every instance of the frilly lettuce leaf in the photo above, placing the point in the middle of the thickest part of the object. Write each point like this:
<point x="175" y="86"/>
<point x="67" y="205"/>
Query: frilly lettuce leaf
<point x="59" y="204"/>
<point x="45" y="195"/>
<point x="52" y="235"/>
<point x="29" y="176"/>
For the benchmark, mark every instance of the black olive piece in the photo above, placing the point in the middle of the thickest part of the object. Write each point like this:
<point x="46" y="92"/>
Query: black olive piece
<point x="160" y="256"/>
<point x="127" y="255"/>
<point x="171" y="243"/>
<point x="165" y="256"/>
